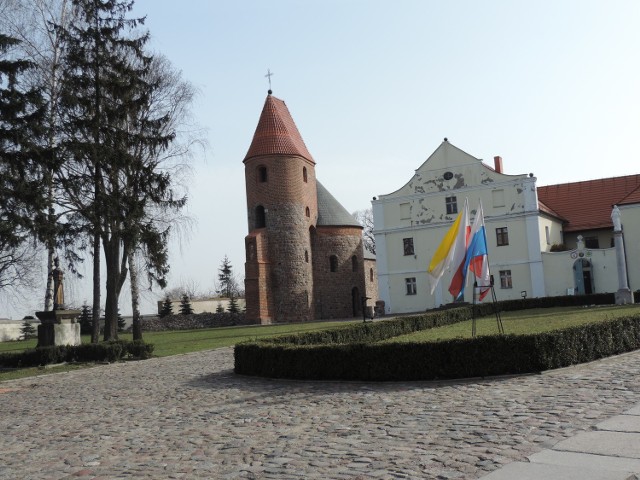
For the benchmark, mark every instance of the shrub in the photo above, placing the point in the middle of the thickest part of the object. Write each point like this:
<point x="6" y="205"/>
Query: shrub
<point x="351" y="352"/>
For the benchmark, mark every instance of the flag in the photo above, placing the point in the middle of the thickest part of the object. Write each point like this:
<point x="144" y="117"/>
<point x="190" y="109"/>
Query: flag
<point x="477" y="254"/>
<point x="447" y="249"/>
<point x="456" y="288"/>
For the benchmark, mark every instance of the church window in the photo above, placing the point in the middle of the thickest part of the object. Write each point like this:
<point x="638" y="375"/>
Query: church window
<point x="371" y="274"/>
<point x="307" y="212"/>
<point x="304" y="174"/>
<point x="261" y="217"/>
<point x="505" y="279"/>
<point x="354" y="263"/>
<point x="262" y="174"/>
<point x="452" y="205"/>
<point x="408" y="246"/>
<point x="333" y="263"/>
<point x="502" y="236"/>
<point x="410" y="283"/>
<point x="591" y="242"/>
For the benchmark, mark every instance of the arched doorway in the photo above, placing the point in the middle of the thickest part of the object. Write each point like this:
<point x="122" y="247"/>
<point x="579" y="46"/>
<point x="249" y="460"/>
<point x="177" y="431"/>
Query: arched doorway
<point x="356" y="302"/>
<point x="583" y="277"/>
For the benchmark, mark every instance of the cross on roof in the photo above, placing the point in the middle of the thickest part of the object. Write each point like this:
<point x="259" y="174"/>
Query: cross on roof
<point x="268" y="75"/>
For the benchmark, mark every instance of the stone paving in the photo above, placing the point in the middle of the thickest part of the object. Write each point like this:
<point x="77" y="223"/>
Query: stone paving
<point x="190" y="416"/>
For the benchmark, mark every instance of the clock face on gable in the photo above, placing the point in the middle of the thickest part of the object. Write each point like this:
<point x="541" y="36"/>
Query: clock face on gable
<point x="448" y="175"/>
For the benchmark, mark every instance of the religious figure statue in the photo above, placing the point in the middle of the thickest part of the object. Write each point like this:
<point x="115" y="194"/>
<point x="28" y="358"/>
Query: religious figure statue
<point x="58" y="287"/>
<point x="615" y="218"/>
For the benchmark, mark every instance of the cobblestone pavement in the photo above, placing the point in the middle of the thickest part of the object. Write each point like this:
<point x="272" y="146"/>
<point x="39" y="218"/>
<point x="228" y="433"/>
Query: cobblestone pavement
<point x="190" y="416"/>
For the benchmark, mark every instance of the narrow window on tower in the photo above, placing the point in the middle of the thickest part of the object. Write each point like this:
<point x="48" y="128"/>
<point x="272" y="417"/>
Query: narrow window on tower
<point x="333" y="263"/>
<point x="307" y="212"/>
<point x="304" y="174"/>
<point x="371" y="274"/>
<point x="306" y="256"/>
<point x="262" y="174"/>
<point x="261" y="217"/>
<point x="354" y="264"/>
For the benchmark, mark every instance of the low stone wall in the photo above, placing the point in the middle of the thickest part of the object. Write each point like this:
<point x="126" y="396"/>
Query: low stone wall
<point x="194" y="321"/>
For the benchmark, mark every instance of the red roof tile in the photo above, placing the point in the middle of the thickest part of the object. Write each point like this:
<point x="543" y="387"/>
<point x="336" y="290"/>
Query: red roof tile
<point x="587" y="205"/>
<point x="276" y="133"/>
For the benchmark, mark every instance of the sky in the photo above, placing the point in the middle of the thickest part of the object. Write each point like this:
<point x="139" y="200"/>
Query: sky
<point x="374" y="87"/>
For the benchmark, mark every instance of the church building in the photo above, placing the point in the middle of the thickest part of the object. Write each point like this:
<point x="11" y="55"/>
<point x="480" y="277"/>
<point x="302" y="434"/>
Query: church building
<point x="541" y="241"/>
<point x="304" y="251"/>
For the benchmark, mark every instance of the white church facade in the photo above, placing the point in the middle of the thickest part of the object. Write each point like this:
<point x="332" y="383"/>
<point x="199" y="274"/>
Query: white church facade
<point x="542" y="241"/>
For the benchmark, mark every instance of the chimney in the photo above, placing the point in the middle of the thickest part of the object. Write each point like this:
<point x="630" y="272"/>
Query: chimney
<point x="497" y="161"/>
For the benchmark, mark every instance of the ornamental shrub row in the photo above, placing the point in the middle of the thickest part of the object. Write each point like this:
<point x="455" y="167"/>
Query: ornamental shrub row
<point x="90" y="352"/>
<point x="352" y="352"/>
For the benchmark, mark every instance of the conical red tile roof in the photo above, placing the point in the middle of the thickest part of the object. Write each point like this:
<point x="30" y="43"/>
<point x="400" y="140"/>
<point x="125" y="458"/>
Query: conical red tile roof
<point x="276" y="133"/>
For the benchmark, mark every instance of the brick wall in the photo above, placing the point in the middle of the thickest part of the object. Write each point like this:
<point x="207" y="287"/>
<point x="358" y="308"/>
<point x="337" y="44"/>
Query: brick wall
<point x="334" y="291"/>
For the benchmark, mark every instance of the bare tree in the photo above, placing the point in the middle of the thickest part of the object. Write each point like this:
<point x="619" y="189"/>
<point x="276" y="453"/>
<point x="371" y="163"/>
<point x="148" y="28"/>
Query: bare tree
<point x="365" y="218"/>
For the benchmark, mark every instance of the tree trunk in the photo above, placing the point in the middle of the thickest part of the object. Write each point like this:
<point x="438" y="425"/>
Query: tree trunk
<point x="112" y="256"/>
<point x="95" y="332"/>
<point x="135" y="298"/>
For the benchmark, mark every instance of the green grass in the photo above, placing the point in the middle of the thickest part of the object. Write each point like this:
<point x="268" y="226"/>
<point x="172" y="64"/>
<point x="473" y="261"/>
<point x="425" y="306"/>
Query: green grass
<point x="523" y="322"/>
<point x="176" y="342"/>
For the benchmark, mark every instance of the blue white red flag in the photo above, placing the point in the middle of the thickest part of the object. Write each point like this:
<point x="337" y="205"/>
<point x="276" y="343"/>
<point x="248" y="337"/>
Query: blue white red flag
<point x="477" y="259"/>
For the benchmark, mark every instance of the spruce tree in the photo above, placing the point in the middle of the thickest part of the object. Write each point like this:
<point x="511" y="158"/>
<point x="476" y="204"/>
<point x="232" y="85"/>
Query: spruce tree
<point x="22" y="162"/>
<point x="85" y="320"/>
<point x="105" y="94"/>
<point x="167" y="307"/>
<point x="121" y="323"/>
<point x="233" y="306"/>
<point x="219" y="308"/>
<point x="185" y="305"/>
<point x="27" y="330"/>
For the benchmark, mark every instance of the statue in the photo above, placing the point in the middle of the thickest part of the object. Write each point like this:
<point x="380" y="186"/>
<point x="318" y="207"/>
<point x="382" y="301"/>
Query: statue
<point x="615" y="218"/>
<point x="58" y="287"/>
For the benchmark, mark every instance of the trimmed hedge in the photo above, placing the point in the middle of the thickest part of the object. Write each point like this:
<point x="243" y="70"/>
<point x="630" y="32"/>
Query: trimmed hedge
<point x="90" y="352"/>
<point x="351" y="352"/>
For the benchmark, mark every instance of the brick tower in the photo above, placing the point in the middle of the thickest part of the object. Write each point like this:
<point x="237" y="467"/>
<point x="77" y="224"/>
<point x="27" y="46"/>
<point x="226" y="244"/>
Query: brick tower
<point x="304" y="256"/>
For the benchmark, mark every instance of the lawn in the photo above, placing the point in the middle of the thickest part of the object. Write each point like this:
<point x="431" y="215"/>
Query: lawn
<point x="176" y="342"/>
<point x="522" y="322"/>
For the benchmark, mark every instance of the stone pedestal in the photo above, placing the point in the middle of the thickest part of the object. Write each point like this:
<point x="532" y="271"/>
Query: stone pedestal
<point x="624" y="297"/>
<point x="59" y="327"/>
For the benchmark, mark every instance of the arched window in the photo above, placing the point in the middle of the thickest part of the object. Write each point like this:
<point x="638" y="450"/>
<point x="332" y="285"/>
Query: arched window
<point x="371" y="274"/>
<point x="304" y="174"/>
<point x="354" y="264"/>
<point x="262" y="174"/>
<point x="306" y="256"/>
<point x="333" y="263"/>
<point x="307" y="212"/>
<point x="261" y="217"/>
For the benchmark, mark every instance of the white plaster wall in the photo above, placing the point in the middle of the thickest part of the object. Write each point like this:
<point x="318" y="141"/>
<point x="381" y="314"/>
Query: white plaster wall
<point x="630" y="219"/>
<point x="558" y="271"/>
<point x="10" y="329"/>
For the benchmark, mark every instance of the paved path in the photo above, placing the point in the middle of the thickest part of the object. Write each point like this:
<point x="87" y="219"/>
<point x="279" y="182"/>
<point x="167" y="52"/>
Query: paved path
<point x="189" y="416"/>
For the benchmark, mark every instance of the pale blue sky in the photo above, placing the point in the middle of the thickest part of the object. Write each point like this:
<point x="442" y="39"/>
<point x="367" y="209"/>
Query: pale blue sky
<point x="551" y="86"/>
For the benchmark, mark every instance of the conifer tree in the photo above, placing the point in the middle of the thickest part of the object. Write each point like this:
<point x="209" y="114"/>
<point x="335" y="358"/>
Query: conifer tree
<point x="233" y="306"/>
<point x="105" y="91"/>
<point x="85" y="320"/>
<point x="219" y="308"/>
<point x="27" y="330"/>
<point x="185" y="305"/>
<point x="22" y="161"/>
<point x="167" y="307"/>
<point x="227" y="285"/>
